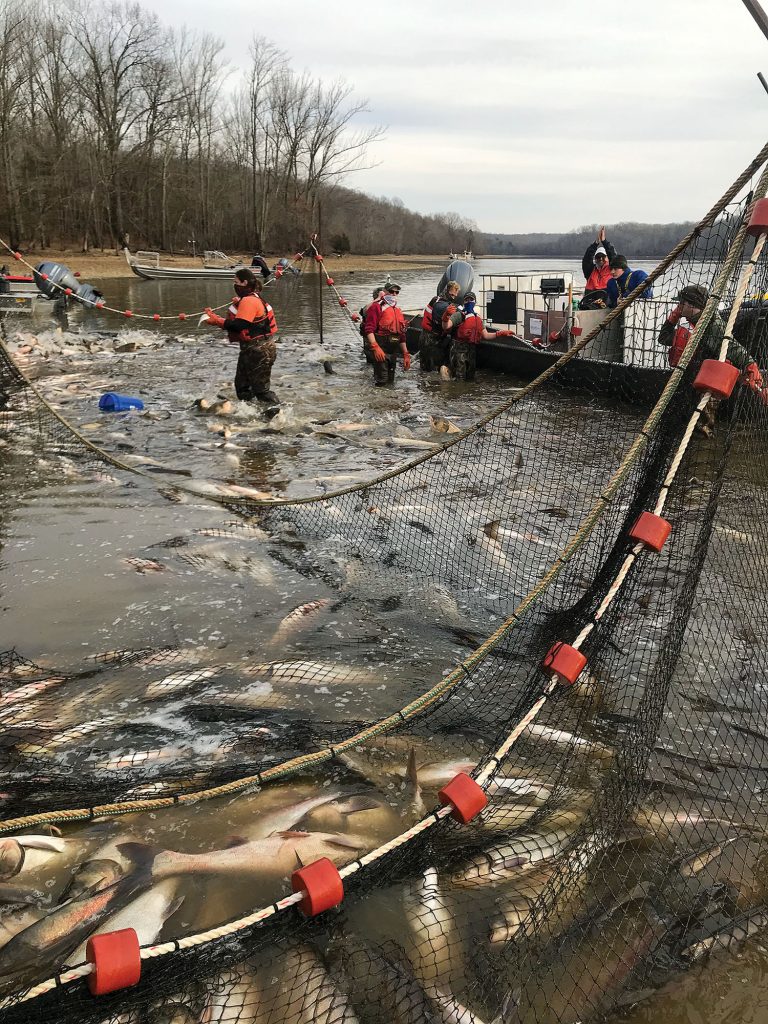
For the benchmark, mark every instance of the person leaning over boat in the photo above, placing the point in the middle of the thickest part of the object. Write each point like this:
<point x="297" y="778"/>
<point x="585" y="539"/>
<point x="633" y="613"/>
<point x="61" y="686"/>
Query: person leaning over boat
<point x="597" y="271"/>
<point x="251" y="323"/>
<point x="385" y="335"/>
<point x="467" y="331"/>
<point x="434" y="349"/>
<point x="623" y="281"/>
<point x="674" y="335"/>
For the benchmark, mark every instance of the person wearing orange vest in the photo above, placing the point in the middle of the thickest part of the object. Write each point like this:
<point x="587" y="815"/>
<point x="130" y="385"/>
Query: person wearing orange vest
<point x="467" y="331"/>
<point x="251" y="324"/>
<point x="597" y="270"/>
<point x="435" y="332"/>
<point x="384" y="329"/>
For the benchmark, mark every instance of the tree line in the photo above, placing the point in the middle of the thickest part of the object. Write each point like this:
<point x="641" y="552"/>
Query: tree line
<point x="635" y="241"/>
<point x="115" y="127"/>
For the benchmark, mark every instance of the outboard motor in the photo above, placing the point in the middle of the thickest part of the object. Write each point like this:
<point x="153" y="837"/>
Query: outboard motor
<point x="58" y="274"/>
<point x="461" y="272"/>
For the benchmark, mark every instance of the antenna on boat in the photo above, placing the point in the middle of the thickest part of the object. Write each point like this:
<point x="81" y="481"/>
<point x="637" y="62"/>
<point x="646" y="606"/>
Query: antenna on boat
<point x="757" y="12"/>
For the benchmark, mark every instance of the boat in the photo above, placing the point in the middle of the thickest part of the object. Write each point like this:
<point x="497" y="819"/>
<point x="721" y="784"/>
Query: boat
<point x="624" y="361"/>
<point x="466" y="256"/>
<point x="214" y="266"/>
<point x="18" y="293"/>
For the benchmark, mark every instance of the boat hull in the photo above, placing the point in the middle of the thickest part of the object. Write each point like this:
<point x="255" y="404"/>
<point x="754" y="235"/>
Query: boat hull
<point x="184" y="273"/>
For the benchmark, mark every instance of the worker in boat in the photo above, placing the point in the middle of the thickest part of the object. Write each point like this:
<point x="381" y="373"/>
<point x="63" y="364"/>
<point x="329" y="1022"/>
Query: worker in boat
<point x="251" y="324"/>
<point x="258" y="262"/>
<point x="675" y="334"/>
<point x="434" y="349"/>
<point x="384" y="328"/>
<point x="466" y="330"/>
<point x="596" y="266"/>
<point x="624" y="280"/>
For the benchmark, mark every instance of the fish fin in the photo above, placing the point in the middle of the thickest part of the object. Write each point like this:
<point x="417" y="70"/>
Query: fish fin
<point x="299" y="861"/>
<point x="348" y="842"/>
<point x="354" y="804"/>
<point x="141" y="855"/>
<point x="289" y="833"/>
<point x="491" y="529"/>
<point x="412" y="772"/>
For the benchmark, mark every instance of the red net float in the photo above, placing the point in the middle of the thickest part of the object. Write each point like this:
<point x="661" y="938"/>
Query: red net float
<point x="318" y="258"/>
<point x="279" y="272"/>
<point x="576" y="332"/>
<point x="99" y="304"/>
<point x="17" y="255"/>
<point x="342" y="302"/>
<point x="127" y="312"/>
<point x="298" y="256"/>
<point x="651" y="530"/>
<point x="758" y="222"/>
<point x="43" y="277"/>
<point x="116" y="959"/>
<point x="67" y="291"/>
<point x="182" y="316"/>
<point x="329" y="281"/>
<point x="565" y="661"/>
<point x="465" y="796"/>
<point x="719" y="379"/>
<point x="155" y="316"/>
<point x="355" y="317"/>
<point x="321" y="884"/>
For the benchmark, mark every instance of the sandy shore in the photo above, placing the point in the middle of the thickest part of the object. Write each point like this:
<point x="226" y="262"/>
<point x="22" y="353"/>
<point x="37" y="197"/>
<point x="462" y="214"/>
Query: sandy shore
<point x="98" y="265"/>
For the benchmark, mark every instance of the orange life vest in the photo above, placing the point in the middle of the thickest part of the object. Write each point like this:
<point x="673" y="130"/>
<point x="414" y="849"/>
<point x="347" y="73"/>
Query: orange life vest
<point x="258" y="313"/>
<point x="470" y="329"/>
<point x="679" y="341"/>
<point x="391" y="321"/>
<point x="426" y="320"/>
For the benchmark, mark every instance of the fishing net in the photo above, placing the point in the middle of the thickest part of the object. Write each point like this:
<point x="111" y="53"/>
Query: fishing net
<point x="176" y="787"/>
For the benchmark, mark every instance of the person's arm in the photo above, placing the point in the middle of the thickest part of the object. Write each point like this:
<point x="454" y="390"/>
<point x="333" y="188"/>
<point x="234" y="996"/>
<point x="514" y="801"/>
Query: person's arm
<point x="713" y="340"/>
<point x="372" y="318"/>
<point x="588" y="259"/>
<point x="612" y="291"/>
<point x="610" y="249"/>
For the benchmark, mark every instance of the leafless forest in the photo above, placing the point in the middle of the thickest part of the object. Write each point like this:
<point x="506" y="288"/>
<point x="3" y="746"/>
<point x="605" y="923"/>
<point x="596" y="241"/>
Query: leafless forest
<point x="114" y="125"/>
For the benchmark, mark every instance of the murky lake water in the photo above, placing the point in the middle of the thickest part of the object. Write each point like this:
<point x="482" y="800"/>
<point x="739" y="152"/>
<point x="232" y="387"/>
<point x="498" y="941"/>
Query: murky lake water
<point x="68" y="593"/>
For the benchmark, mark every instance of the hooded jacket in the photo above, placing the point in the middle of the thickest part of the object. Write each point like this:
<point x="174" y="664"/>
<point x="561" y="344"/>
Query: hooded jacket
<point x="597" y="279"/>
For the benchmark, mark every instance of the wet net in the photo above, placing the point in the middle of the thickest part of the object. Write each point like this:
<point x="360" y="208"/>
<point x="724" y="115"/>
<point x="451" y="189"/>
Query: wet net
<point x="481" y="634"/>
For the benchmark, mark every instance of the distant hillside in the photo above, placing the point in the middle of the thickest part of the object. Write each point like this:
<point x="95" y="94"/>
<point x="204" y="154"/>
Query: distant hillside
<point x="635" y="241"/>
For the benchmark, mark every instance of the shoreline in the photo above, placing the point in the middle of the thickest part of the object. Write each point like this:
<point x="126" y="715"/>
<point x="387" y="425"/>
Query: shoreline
<point x="101" y="266"/>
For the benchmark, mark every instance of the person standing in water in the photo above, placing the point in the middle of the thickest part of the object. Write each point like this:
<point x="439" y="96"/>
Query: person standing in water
<point x="251" y="324"/>
<point x="384" y="330"/>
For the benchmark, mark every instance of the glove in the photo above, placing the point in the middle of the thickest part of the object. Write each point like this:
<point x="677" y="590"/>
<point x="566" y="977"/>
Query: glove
<point x="213" y="318"/>
<point x="377" y="352"/>
<point x="450" y="310"/>
<point x="751" y="377"/>
<point x="505" y="334"/>
<point x="406" y="360"/>
<point x="674" y="316"/>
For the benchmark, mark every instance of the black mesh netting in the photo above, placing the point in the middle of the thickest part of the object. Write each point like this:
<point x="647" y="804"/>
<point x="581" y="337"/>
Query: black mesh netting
<point x="174" y="787"/>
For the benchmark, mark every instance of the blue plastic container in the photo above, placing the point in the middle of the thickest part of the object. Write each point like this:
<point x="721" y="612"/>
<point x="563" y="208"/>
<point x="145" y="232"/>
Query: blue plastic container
<point x="112" y="402"/>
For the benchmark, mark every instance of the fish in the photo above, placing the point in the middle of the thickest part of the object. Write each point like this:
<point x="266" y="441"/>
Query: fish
<point x="317" y="673"/>
<point x="566" y="741"/>
<point x="487" y="541"/>
<point x="240" y="531"/>
<point x="587" y="973"/>
<point x="146" y="914"/>
<point x="145" y="565"/>
<point x="30" y="690"/>
<point x="417" y="443"/>
<point x="383" y="989"/>
<point x="443" y="426"/>
<point x="140" y="758"/>
<point x="27" y="853"/>
<point x="273" y="858"/>
<point x="726" y="939"/>
<point x="45" y="945"/>
<point x="92" y="876"/>
<point x="300" y="619"/>
<point x="435" y="944"/>
<point x="501" y="863"/>
<point x="179" y="682"/>
<point x="16" y="919"/>
<point x="236" y="995"/>
<point x="695" y="863"/>
<point x="448" y="1010"/>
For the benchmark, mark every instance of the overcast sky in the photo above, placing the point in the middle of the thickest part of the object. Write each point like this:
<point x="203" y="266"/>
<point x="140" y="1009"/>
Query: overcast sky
<point x="544" y="115"/>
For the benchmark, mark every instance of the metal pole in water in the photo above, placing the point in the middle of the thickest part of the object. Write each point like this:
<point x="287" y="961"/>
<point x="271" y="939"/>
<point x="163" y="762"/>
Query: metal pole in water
<point x="320" y="269"/>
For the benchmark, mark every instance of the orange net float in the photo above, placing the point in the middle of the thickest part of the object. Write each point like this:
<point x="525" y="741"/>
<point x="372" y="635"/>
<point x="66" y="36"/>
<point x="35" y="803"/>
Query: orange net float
<point x="718" y="378"/>
<point x="758" y="222"/>
<point x="651" y="530"/>
<point x="116" y="959"/>
<point x="321" y="884"/>
<point x="565" y="661"/>
<point x="465" y="796"/>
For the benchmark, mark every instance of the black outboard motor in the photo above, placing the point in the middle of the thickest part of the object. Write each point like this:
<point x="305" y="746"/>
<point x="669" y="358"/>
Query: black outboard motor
<point x="461" y="272"/>
<point x="58" y="274"/>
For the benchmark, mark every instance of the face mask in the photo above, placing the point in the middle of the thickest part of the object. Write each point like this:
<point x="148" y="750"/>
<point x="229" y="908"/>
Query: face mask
<point x="391" y="300"/>
<point x="242" y="289"/>
<point x="469" y="307"/>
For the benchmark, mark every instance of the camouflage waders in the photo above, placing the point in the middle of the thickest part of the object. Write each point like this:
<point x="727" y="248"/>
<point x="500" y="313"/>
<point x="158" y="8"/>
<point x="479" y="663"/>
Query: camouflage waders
<point x="254" y="367"/>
